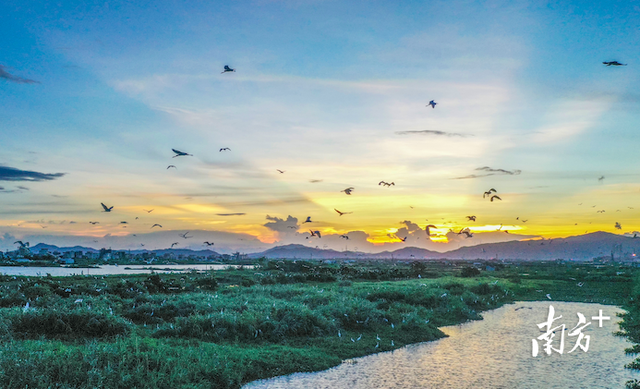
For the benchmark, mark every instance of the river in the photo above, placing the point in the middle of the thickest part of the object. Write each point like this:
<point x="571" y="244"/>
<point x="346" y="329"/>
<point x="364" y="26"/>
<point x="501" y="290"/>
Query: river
<point x="107" y="269"/>
<point x="492" y="353"/>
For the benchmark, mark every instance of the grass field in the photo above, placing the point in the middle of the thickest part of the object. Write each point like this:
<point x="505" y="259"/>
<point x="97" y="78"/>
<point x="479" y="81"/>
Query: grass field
<point x="225" y="328"/>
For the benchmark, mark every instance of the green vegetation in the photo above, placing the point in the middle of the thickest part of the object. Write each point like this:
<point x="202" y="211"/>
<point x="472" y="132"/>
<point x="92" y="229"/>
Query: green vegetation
<point x="223" y="329"/>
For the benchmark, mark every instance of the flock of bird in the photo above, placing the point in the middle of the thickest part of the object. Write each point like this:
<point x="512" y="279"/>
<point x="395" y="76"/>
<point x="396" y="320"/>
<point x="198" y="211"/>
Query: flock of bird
<point x="490" y="194"/>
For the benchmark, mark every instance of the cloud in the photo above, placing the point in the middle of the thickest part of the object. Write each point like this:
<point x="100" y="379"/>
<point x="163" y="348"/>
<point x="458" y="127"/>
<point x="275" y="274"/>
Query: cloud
<point x="231" y="214"/>
<point x="491" y="172"/>
<point x="10" y="77"/>
<point x="432" y="132"/>
<point x="280" y="225"/>
<point x="13" y="174"/>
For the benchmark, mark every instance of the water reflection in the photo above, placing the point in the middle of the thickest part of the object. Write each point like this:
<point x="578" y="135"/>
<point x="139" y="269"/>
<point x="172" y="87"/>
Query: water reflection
<point x="492" y="353"/>
<point x="107" y="269"/>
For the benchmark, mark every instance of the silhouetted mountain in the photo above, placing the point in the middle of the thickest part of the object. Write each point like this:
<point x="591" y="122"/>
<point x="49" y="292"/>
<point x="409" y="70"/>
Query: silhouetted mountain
<point x="298" y="251"/>
<point x="199" y="253"/>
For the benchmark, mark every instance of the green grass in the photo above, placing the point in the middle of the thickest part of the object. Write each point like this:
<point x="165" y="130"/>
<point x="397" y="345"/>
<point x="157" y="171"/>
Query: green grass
<point x="223" y="329"/>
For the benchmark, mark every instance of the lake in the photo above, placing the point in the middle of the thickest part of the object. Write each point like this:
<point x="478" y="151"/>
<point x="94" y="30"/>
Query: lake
<point x="492" y="353"/>
<point x="108" y="269"/>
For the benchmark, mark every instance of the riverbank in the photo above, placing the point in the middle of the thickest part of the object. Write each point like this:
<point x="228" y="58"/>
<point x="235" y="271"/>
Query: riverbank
<point x="226" y="328"/>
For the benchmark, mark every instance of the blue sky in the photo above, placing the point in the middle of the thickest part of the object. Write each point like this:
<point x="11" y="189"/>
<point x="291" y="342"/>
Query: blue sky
<point x="324" y="90"/>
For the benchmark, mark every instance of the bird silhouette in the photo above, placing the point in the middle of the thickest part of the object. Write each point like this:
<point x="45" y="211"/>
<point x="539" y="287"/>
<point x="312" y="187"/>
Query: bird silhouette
<point x="94" y="223"/>
<point x="387" y="184"/>
<point x="488" y="193"/>
<point x="308" y="220"/>
<point x="342" y="213"/>
<point x="618" y="226"/>
<point x="495" y="197"/>
<point x="156" y="225"/>
<point x="106" y="209"/>
<point x="427" y="229"/>
<point x="348" y="190"/>
<point x="315" y="233"/>
<point x="225" y="148"/>
<point x="402" y="239"/>
<point x="344" y="237"/>
<point x="149" y="211"/>
<point x="180" y="153"/>
<point x="227" y="69"/>
<point x="280" y="171"/>
<point x="614" y="63"/>
<point x="467" y="232"/>
<point x="171" y="166"/>
<point x="432" y="103"/>
<point x="185" y="235"/>
<point x="174" y="244"/>
<point x="208" y="243"/>
<point x="471" y="218"/>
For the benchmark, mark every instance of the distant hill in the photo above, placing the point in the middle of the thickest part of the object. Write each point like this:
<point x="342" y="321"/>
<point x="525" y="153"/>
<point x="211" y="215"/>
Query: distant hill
<point x="580" y="248"/>
<point x="200" y="253"/>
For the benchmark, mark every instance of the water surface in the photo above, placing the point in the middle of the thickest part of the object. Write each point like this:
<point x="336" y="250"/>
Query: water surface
<point x="492" y="353"/>
<point x="108" y="269"/>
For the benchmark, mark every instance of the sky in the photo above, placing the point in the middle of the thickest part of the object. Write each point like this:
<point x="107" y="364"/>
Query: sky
<point x="95" y="95"/>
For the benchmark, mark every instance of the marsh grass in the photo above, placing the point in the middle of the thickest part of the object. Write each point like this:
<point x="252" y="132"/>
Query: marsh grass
<point x="223" y="329"/>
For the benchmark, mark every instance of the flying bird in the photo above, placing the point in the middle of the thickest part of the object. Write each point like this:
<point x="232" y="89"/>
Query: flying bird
<point x="427" y="229"/>
<point x="171" y="166"/>
<point x="344" y="237"/>
<point x="495" y="197"/>
<point x="432" y="103"/>
<point x="174" y="244"/>
<point x="94" y="223"/>
<point x="149" y="211"/>
<point x="488" y="193"/>
<point x="342" y="213"/>
<point x="618" y="226"/>
<point x="124" y="223"/>
<point x="208" y="243"/>
<point x="471" y="218"/>
<point x="315" y="233"/>
<point x="21" y="243"/>
<point x="280" y="171"/>
<point x="348" y="190"/>
<point x="308" y="220"/>
<point x="614" y="63"/>
<point x="106" y="209"/>
<point x="601" y="178"/>
<point x="227" y="69"/>
<point x="185" y="235"/>
<point x="402" y="239"/>
<point x="466" y="232"/>
<point x="225" y="148"/>
<point x="156" y="225"/>
<point x="387" y="184"/>
<point x="180" y="153"/>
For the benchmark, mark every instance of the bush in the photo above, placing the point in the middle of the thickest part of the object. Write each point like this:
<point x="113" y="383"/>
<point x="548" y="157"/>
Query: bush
<point x="66" y="325"/>
<point x="469" y="271"/>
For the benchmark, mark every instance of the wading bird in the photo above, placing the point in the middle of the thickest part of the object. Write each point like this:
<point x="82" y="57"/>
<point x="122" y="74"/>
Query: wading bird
<point x="106" y="209"/>
<point x="225" y="149"/>
<point x="488" y="193"/>
<point x="432" y="103"/>
<point x="495" y="197"/>
<point x="348" y="190"/>
<point x="156" y="225"/>
<point x="171" y="166"/>
<point x="471" y="218"/>
<point x="614" y="63"/>
<point x="180" y="153"/>
<point x="227" y="69"/>
<point x="342" y="213"/>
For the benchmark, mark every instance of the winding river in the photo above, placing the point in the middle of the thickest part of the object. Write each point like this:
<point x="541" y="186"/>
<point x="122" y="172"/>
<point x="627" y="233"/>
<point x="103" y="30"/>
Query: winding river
<point x="492" y="353"/>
